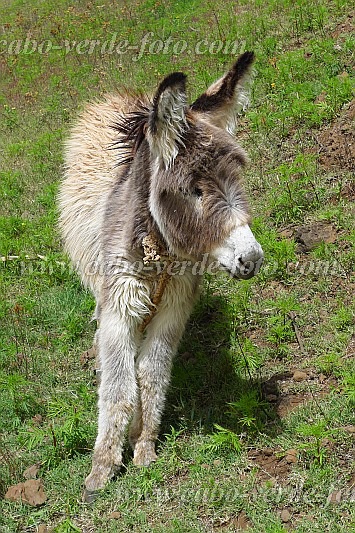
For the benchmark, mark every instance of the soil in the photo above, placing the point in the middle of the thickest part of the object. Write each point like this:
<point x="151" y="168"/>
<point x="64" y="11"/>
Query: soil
<point x="309" y="237"/>
<point x="272" y="464"/>
<point x="346" y="27"/>
<point x="239" y="522"/>
<point x="337" y="142"/>
<point x="350" y="350"/>
<point x="279" y="390"/>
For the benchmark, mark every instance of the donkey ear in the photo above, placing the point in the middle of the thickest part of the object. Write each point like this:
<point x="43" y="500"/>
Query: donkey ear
<point x="226" y="97"/>
<point x="167" y="121"/>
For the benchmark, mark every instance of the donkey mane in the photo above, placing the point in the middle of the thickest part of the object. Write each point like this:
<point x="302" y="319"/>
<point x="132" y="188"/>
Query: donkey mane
<point x="131" y="127"/>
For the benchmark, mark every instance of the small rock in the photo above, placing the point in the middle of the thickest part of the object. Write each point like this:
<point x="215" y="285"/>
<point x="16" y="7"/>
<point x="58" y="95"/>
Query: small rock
<point x="299" y="376"/>
<point x="291" y="456"/>
<point x="285" y="515"/>
<point x="115" y="515"/>
<point x="32" y="471"/>
<point x="31" y="492"/>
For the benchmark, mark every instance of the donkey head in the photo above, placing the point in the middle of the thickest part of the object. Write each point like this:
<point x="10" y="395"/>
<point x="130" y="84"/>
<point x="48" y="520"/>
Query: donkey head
<point x="196" y="194"/>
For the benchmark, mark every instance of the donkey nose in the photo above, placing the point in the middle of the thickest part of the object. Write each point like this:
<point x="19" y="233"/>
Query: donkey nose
<point x="249" y="263"/>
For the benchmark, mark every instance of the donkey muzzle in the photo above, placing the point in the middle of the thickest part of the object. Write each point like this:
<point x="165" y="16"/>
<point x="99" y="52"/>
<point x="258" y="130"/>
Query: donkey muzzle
<point x="240" y="255"/>
<point x="248" y="264"/>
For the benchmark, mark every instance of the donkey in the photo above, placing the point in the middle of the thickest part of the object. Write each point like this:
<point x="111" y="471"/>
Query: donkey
<point x="152" y="188"/>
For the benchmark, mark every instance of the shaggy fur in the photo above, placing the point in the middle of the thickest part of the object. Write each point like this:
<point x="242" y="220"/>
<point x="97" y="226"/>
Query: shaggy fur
<point x="139" y="166"/>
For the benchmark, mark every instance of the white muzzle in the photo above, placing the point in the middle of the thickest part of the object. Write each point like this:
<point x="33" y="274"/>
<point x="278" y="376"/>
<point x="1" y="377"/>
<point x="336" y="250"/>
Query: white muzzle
<point x="240" y="254"/>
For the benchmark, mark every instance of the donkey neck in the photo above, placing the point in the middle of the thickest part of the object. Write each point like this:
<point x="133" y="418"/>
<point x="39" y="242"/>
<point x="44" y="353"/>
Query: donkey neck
<point x="128" y="220"/>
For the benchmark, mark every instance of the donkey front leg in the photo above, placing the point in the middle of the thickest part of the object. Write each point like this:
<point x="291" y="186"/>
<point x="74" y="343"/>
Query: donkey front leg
<point x="153" y="374"/>
<point x="153" y="370"/>
<point x="117" y="342"/>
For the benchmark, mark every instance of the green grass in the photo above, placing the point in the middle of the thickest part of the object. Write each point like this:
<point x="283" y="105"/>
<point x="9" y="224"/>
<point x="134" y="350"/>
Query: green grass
<point x="223" y="402"/>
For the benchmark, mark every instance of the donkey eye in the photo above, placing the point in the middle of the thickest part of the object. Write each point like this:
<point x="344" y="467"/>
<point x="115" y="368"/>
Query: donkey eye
<point x="197" y="192"/>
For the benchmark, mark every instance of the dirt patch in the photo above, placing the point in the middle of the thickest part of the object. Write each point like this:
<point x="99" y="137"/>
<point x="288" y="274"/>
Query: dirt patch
<point x="309" y="237"/>
<point x="337" y="142"/>
<point x="345" y="27"/>
<point x="350" y="350"/>
<point x="351" y="482"/>
<point x="278" y="390"/>
<point x="239" y="522"/>
<point x="348" y="191"/>
<point x="87" y="356"/>
<point x="272" y="464"/>
<point x="290" y="402"/>
<point x="285" y="515"/>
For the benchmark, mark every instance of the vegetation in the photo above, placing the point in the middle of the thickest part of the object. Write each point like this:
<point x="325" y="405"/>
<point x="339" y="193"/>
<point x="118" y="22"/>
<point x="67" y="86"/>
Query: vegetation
<point x="258" y="427"/>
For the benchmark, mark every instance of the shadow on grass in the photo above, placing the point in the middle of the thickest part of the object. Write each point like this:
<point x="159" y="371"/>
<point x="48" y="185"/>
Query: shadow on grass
<point x="206" y="379"/>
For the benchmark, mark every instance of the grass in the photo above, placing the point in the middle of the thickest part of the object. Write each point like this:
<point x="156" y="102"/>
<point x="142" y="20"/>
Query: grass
<point x="233" y="390"/>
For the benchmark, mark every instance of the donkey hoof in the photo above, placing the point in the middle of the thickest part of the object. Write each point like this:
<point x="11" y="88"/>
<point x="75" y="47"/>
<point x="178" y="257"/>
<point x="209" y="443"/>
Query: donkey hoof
<point x="144" y="454"/>
<point x="98" y="375"/>
<point x="89" y="496"/>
